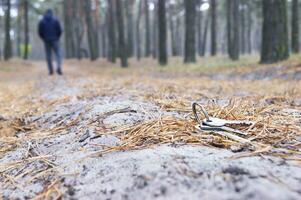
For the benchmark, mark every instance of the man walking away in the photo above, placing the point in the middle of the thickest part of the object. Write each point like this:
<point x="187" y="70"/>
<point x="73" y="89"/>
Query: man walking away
<point x="50" y="32"/>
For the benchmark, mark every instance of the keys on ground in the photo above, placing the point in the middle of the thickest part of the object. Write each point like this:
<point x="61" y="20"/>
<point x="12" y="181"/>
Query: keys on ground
<point x="216" y="124"/>
<point x="205" y="127"/>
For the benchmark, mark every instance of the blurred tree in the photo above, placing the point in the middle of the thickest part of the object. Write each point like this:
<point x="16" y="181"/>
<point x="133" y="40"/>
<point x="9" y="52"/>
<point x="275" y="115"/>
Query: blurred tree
<point x="174" y="49"/>
<point x="178" y="36"/>
<point x="213" y="27"/>
<point x="111" y="32"/>
<point x="130" y="26"/>
<point x="138" y="35"/>
<point x="242" y="16"/>
<point x="26" y="30"/>
<point x="92" y="31"/>
<point x="249" y="25"/>
<point x="155" y="31"/>
<point x="78" y="29"/>
<point x="275" y="31"/>
<point x="190" y="16"/>
<point x="104" y="35"/>
<point x="162" y="32"/>
<point x="295" y="26"/>
<point x="204" y="34"/>
<point x="199" y="27"/>
<point x="7" y="41"/>
<point x="229" y="26"/>
<point x="147" y="29"/>
<point x="121" y="39"/>
<point x="233" y="28"/>
<point x="19" y="26"/>
<point x="172" y="17"/>
<point x="69" y="42"/>
<point x="0" y="38"/>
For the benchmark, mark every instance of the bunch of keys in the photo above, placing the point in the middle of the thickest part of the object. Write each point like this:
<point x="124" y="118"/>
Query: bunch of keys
<point x="213" y="124"/>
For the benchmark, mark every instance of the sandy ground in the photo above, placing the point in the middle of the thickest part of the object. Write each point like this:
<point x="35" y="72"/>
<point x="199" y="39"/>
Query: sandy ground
<point x="65" y="164"/>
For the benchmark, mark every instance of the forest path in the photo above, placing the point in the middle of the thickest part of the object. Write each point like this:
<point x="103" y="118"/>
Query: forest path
<point x="60" y="127"/>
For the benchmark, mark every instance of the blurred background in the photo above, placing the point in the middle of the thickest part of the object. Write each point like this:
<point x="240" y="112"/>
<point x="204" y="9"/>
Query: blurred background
<point x="154" y="28"/>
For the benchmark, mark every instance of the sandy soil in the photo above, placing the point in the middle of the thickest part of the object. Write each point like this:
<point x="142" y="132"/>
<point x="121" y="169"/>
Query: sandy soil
<point x="65" y="164"/>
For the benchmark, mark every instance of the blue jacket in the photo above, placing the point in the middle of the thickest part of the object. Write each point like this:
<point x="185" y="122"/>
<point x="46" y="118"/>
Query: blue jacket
<point x="49" y="28"/>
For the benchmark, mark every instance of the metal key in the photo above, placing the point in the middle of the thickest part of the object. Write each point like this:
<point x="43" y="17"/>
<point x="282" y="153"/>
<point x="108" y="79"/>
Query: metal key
<point x="222" y="133"/>
<point x="217" y="124"/>
<point x="205" y="127"/>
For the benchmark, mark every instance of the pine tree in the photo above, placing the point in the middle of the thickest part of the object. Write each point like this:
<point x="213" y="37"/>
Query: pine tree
<point x="233" y="28"/>
<point x="190" y="19"/>
<point x="295" y="26"/>
<point x="26" y="30"/>
<point x="162" y="32"/>
<point x="213" y="27"/>
<point x="121" y="39"/>
<point x="7" y="42"/>
<point x="274" y="32"/>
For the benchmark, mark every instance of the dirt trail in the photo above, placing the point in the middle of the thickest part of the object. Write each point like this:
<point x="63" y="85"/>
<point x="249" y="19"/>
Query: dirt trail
<point x="72" y="115"/>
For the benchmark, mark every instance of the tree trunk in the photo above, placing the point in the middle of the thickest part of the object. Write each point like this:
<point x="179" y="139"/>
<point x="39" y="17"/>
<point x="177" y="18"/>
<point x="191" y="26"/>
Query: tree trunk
<point x="233" y="28"/>
<point x="155" y="31"/>
<point x="295" y="26"/>
<point x="96" y="28"/>
<point x="7" y="41"/>
<point x="111" y="32"/>
<point x="199" y="29"/>
<point x="130" y="27"/>
<point x="173" y="36"/>
<point x="121" y="39"/>
<point x="172" y="17"/>
<point x="190" y="14"/>
<point x="69" y="43"/>
<point x="162" y="32"/>
<point x="77" y="29"/>
<point x="204" y="40"/>
<point x="147" y="30"/>
<point x="229" y="25"/>
<point x="178" y="36"/>
<point x="0" y="39"/>
<point x="243" y="28"/>
<point x="213" y="27"/>
<point x="249" y="27"/>
<point x="19" y="28"/>
<point x="92" y="32"/>
<point x="138" y="36"/>
<point x="274" y="33"/>
<point x="26" y="30"/>
<point x="104" y="39"/>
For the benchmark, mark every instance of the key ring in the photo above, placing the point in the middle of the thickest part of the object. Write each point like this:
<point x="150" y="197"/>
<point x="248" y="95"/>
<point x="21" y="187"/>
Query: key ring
<point x="194" y="104"/>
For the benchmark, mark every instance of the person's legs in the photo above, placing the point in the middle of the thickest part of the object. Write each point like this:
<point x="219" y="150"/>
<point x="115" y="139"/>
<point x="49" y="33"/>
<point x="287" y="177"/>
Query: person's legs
<point x="49" y="57"/>
<point x="58" y="54"/>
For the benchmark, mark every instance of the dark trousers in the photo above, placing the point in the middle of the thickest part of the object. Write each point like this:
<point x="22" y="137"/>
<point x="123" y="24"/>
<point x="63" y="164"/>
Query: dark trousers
<point x="55" y="47"/>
